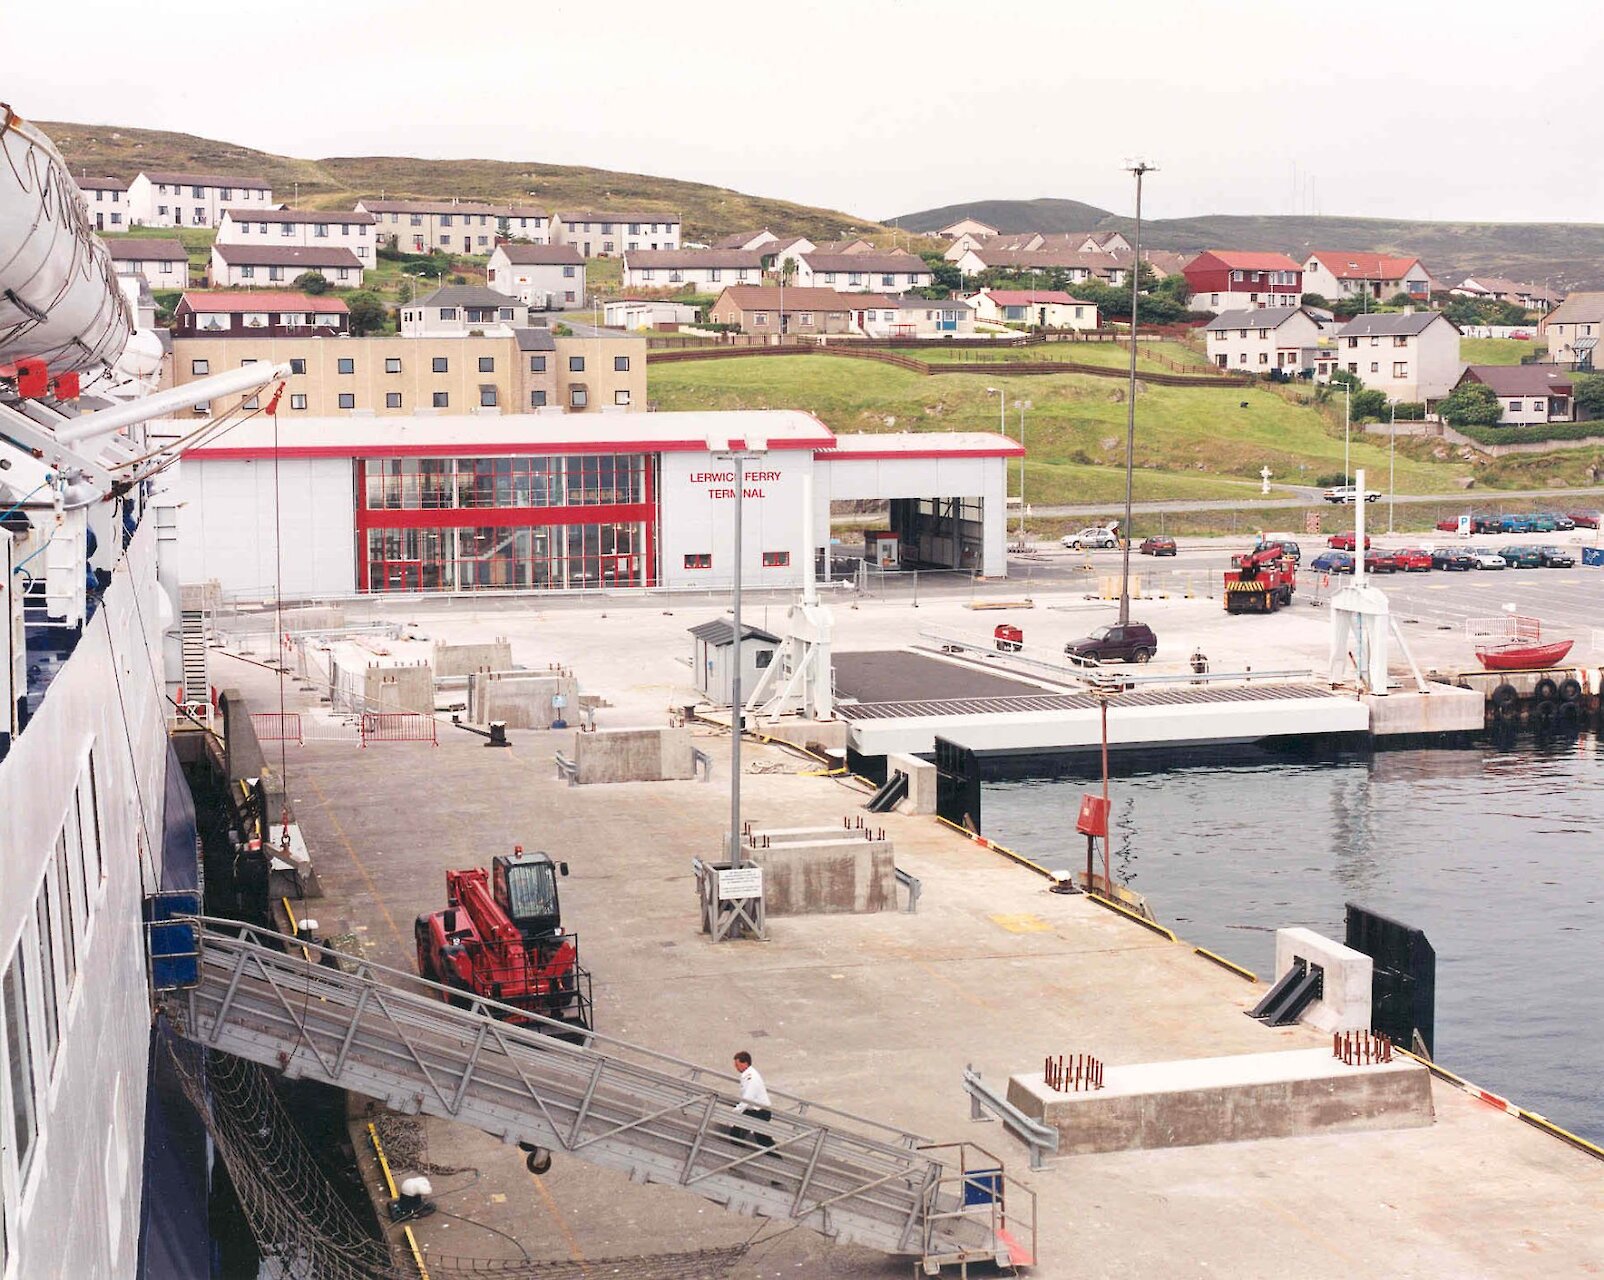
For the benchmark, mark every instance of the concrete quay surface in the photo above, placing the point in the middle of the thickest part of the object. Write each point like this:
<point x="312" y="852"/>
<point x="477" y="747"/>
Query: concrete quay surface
<point x="879" y="1013"/>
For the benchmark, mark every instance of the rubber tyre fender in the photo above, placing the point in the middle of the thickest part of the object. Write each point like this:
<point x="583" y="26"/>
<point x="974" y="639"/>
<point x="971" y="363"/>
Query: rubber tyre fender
<point x="1568" y="714"/>
<point x="1570" y="690"/>
<point x="1546" y="690"/>
<point x="1505" y="697"/>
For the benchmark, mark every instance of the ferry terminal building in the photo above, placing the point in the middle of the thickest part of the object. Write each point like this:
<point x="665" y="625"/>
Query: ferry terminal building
<point x="345" y="506"/>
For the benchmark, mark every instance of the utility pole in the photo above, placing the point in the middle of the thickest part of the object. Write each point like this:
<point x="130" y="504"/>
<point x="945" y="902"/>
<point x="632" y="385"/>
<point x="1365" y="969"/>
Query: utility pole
<point x="1140" y="168"/>
<point x="1347" y="416"/>
<point x="738" y="458"/>
<point x="1392" y="453"/>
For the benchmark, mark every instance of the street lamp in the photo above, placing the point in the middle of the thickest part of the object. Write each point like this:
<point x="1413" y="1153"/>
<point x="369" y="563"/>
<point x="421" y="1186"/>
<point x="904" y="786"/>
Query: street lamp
<point x="1347" y="418"/>
<point x="1139" y="168"/>
<point x="1022" y="405"/>
<point x="1392" y="453"/>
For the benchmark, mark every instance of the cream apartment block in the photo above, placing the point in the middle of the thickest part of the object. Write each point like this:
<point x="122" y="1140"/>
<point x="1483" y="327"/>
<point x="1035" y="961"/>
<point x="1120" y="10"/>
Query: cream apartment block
<point x="192" y="199"/>
<point x="260" y="266"/>
<point x="549" y="277"/>
<point x="453" y="226"/>
<point x="300" y="229"/>
<point x="1406" y="355"/>
<point x="603" y="235"/>
<point x="1573" y="329"/>
<point x="394" y="376"/>
<point x="1264" y="339"/>
<point x="704" y="270"/>
<point x="107" y="200"/>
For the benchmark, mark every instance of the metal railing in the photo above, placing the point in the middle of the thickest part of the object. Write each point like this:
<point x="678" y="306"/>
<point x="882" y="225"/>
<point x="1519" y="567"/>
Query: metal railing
<point x="1042" y="1139"/>
<point x="392" y="1036"/>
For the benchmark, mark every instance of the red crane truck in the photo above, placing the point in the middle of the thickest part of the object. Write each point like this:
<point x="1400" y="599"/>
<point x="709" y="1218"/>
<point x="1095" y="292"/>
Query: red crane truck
<point x="1261" y="580"/>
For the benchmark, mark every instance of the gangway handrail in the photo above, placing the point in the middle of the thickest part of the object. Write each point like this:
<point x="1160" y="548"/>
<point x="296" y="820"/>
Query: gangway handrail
<point x="274" y="941"/>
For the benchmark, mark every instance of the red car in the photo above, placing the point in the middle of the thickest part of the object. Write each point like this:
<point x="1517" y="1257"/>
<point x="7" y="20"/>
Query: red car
<point x="1344" y="541"/>
<point x="1413" y="560"/>
<point x="1585" y="519"/>
<point x="1381" y="562"/>
<point x="1448" y="526"/>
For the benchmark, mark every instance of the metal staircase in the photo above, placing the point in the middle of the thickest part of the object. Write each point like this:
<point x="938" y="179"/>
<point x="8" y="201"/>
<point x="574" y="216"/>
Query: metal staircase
<point x="196" y="676"/>
<point x="390" y="1035"/>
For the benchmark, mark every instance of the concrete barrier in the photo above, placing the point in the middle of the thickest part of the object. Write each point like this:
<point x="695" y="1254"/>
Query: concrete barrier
<point x="633" y="755"/>
<point x="521" y="699"/>
<point x="1193" y="1102"/>
<point x="465" y="659"/>
<point x="823" y="870"/>
<point x="921" y="796"/>
<point x="399" y="687"/>
<point x="1344" y="1004"/>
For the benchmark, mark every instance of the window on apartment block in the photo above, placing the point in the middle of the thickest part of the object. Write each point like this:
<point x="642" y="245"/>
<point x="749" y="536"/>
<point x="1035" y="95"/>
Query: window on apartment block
<point x="441" y="400"/>
<point x="1243" y="333"/>
<point x="445" y="219"/>
<point x="487" y="364"/>
<point x="1375" y="366"/>
<point x="1264" y="357"/>
<point x="578" y="398"/>
<point x="445" y="239"/>
<point x="568" y="295"/>
<point x="197" y="367"/>
<point x="441" y="364"/>
<point x="347" y="400"/>
<point x="1400" y="368"/>
<point x="415" y="219"/>
<point x="1353" y="366"/>
<point x="392" y="399"/>
<point x="297" y="364"/>
<point x="298" y="401"/>
<point x="621" y="397"/>
<point x="285" y="229"/>
<point x="537" y="399"/>
<point x="1400" y="341"/>
<point x="1264" y="333"/>
<point x="576" y="364"/>
<point x="776" y="559"/>
<point x="1353" y="342"/>
<point x="1241" y="357"/>
<point x="568" y="273"/>
<point x="620" y="364"/>
<point x="346" y="364"/>
<point x="698" y="559"/>
<point x="537" y="364"/>
<point x="320" y="230"/>
<point x="487" y="397"/>
<point x="392" y="364"/>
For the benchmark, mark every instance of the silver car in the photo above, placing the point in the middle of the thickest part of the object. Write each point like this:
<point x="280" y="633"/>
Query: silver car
<point x="1093" y="537"/>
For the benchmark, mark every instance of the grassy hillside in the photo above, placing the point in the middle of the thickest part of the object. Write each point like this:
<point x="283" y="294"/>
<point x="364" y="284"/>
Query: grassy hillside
<point x="1570" y="255"/>
<point x="338" y="181"/>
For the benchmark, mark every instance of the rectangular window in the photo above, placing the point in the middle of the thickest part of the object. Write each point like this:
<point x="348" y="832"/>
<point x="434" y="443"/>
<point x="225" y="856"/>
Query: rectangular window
<point x="1400" y="342"/>
<point x="776" y="559"/>
<point x="537" y="364"/>
<point x="346" y="364"/>
<point x="347" y="400"/>
<point x="45" y="921"/>
<point x="699" y="560"/>
<point x="487" y="397"/>
<point x="578" y="397"/>
<point x="1264" y="357"/>
<point x="441" y="364"/>
<point x="537" y="399"/>
<point x="92" y="820"/>
<point x="1400" y="369"/>
<point x="576" y="364"/>
<point x="247" y="273"/>
<point x="442" y="400"/>
<point x="1514" y="406"/>
<point x="621" y="397"/>
<point x="568" y="273"/>
<point x="487" y="364"/>
<point x="200" y="366"/>
<point x="69" y="904"/>
<point x="392" y="364"/>
<point x="275" y="273"/>
<point x="1353" y="366"/>
<point x="297" y="400"/>
<point x="297" y="364"/>
<point x="19" y="1055"/>
<point x="320" y="230"/>
<point x="620" y="364"/>
<point x="392" y="399"/>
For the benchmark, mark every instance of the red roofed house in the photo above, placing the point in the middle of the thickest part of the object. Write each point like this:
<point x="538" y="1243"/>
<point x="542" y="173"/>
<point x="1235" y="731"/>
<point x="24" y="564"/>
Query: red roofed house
<point x="1340" y="273"/>
<point x="1035" y="308"/>
<point x="280" y="314"/>
<point x="1235" y="280"/>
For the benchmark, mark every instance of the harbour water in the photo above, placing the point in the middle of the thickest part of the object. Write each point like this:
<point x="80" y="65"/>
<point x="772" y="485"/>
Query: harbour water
<point x="1497" y="852"/>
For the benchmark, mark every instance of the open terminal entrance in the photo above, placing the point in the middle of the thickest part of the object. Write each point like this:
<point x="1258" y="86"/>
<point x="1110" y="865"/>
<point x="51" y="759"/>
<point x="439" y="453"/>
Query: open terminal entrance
<point x="939" y="533"/>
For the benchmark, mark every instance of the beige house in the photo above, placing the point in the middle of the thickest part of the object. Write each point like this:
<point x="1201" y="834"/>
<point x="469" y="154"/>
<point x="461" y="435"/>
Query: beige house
<point x="1573" y="329"/>
<point x="1035" y="308"/>
<point x="604" y="235"/>
<point x="763" y="309"/>
<point x="704" y="270"/>
<point x="548" y="277"/>
<point x="877" y="316"/>
<point x="300" y="229"/>
<point x="1266" y="339"/>
<point x="107" y="199"/>
<point x="461" y="310"/>
<point x="514" y="372"/>
<point x="192" y="199"/>
<point x="162" y="264"/>
<point x="860" y="272"/>
<point x="257" y="266"/>
<point x="1406" y="355"/>
<point x="453" y="226"/>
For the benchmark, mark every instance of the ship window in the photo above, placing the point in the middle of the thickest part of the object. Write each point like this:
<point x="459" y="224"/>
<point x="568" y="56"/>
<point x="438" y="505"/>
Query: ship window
<point x="69" y="911"/>
<point x="19" y="1056"/>
<point x="92" y="820"/>
<point x="44" y="910"/>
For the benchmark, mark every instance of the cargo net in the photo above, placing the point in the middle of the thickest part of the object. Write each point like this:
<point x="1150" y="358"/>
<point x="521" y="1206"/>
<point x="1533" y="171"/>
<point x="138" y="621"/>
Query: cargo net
<point x="303" y="1227"/>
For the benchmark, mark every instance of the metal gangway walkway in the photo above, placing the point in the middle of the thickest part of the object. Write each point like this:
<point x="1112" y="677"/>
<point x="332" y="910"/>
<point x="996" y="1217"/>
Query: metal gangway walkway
<point x="323" y="1015"/>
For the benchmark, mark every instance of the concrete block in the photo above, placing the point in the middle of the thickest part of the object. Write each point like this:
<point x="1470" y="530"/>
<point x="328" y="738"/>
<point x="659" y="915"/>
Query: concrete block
<point x="634" y="755"/>
<point x="1345" y="1002"/>
<point x="921" y="782"/>
<point x="815" y="735"/>
<point x="522" y="699"/>
<point x="1197" y="1101"/>
<point x="465" y="659"/>
<point x="1446" y="709"/>
<point x="399" y="687"/>
<point x="833" y="873"/>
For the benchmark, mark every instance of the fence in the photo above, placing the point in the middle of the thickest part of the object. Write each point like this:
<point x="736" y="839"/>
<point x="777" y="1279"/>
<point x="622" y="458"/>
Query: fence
<point x="399" y="726"/>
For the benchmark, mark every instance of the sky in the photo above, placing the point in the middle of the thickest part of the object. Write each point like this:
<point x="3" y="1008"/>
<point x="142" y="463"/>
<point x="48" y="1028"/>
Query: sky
<point x="1409" y="109"/>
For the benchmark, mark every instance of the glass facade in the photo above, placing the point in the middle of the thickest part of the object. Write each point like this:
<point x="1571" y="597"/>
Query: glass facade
<point x="573" y="480"/>
<point x="490" y="557"/>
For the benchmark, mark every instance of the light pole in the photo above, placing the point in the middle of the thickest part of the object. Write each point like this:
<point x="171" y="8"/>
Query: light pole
<point x="1139" y="168"/>
<point x="1347" y="417"/>
<point x="738" y="458"/>
<point x="1392" y="453"/>
<point x="1022" y="405"/>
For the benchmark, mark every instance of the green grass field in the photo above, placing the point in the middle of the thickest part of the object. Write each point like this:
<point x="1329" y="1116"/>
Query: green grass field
<point x="1113" y="355"/>
<point x="1497" y="350"/>
<point x="1190" y="442"/>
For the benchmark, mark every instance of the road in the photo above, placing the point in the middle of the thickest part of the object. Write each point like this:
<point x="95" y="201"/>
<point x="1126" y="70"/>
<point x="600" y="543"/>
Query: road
<point x="1298" y="496"/>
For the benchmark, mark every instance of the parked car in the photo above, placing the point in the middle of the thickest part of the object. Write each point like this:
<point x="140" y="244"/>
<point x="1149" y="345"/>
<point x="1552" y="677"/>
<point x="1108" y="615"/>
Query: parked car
<point x="1585" y="519"/>
<point x="1521" y="556"/>
<point x="1332" y="562"/>
<point x="1488" y="560"/>
<point x="1092" y="537"/>
<point x="1413" y="560"/>
<point x="1452" y="558"/>
<point x="1555" y="558"/>
<point x="1344" y="541"/>
<point x="1157" y="546"/>
<point x="1288" y="545"/>
<point x="1133" y="642"/>
<point x="1541" y="523"/>
<point x="1448" y="526"/>
<point x="1482" y="523"/>
<point x="1520" y="335"/>
<point x="1562" y="523"/>
<point x="1515" y="524"/>
<point x="1381" y="562"/>
<point x="1349" y="493"/>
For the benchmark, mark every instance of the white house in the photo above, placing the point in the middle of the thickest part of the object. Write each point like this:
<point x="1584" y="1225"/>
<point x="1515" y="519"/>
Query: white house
<point x="1406" y="355"/>
<point x="1534" y="297"/>
<point x="107" y="200"/>
<point x="705" y="270"/>
<point x="748" y="240"/>
<point x="162" y="264"/>
<point x="165" y="199"/>
<point x="1573" y="329"/>
<point x="460" y="311"/>
<point x="550" y="277"/>
<point x="1037" y="308"/>
<point x="1077" y="266"/>
<point x="878" y="316"/>
<point x="300" y="228"/>
<point x="1257" y="341"/>
<point x="264" y="266"/>
<point x="603" y="235"/>
<point x="1342" y="273"/>
<point x="1528" y="394"/>
<point x="864" y="272"/>
<point x="453" y="226"/>
<point x="790" y="251"/>
<point x="969" y="227"/>
<point x="646" y="313"/>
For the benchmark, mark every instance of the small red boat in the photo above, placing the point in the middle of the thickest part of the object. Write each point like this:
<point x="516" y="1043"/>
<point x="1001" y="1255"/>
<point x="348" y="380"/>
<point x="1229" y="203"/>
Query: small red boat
<point x="1522" y="655"/>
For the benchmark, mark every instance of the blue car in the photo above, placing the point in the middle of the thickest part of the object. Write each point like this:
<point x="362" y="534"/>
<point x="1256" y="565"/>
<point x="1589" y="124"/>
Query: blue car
<point x="1332" y="562"/>
<point x="1515" y="524"/>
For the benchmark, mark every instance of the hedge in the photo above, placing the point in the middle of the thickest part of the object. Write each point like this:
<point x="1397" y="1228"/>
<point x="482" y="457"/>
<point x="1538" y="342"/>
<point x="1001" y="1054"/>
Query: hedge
<point x="1556" y="431"/>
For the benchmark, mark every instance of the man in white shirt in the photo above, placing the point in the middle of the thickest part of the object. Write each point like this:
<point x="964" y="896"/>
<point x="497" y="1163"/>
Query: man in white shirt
<point x="754" y="1101"/>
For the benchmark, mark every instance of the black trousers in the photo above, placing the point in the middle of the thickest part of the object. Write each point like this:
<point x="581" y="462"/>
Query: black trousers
<point x="747" y="1135"/>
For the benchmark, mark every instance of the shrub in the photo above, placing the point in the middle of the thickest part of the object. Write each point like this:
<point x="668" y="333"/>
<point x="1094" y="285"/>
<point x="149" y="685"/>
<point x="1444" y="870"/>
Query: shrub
<point x="313" y="282"/>
<point x="1556" y="431"/>
<point x="1370" y="405"/>
<point x="1330" y="479"/>
<point x="1410" y="410"/>
<point x="1471" y="404"/>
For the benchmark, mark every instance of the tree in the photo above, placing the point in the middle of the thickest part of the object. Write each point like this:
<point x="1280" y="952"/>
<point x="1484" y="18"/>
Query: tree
<point x="1342" y="378"/>
<point x="1400" y="300"/>
<point x="1317" y="300"/>
<point x="368" y="313"/>
<point x="1589" y="395"/>
<point x="312" y="282"/>
<point x="1471" y="404"/>
<point x="1369" y="406"/>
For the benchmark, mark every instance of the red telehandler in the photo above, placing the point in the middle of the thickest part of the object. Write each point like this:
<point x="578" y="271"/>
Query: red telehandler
<point x="1261" y="581"/>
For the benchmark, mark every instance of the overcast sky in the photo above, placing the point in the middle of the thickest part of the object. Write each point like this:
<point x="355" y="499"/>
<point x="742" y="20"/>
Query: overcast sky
<point x="1415" y="108"/>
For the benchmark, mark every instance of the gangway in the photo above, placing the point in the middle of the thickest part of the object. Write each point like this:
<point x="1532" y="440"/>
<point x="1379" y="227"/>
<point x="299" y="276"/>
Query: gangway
<point x="319" y="1014"/>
